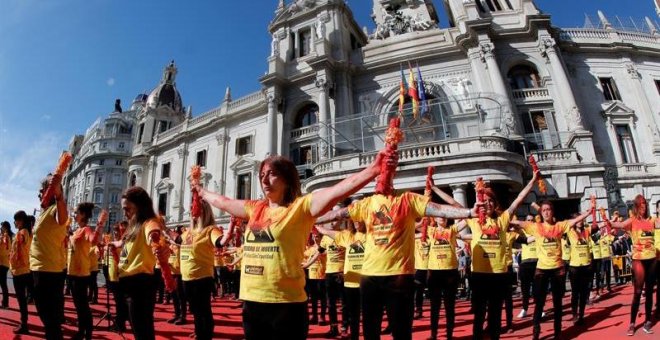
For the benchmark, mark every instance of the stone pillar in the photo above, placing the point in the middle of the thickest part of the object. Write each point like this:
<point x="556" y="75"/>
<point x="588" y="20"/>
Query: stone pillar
<point x="322" y="84"/>
<point x="271" y="131"/>
<point x="569" y="107"/>
<point x="180" y="206"/>
<point x="508" y="122"/>
<point x="458" y="192"/>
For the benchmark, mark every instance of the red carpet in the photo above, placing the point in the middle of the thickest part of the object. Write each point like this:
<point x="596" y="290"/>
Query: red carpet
<point x="606" y="319"/>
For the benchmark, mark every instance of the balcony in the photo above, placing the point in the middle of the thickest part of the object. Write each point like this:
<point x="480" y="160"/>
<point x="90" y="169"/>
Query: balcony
<point x="531" y="95"/>
<point x="556" y="157"/>
<point x="309" y="131"/>
<point x="633" y="169"/>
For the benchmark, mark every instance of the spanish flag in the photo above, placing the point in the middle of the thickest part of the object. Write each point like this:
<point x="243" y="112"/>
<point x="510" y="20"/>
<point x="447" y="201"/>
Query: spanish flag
<point x="412" y="92"/>
<point x="403" y="89"/>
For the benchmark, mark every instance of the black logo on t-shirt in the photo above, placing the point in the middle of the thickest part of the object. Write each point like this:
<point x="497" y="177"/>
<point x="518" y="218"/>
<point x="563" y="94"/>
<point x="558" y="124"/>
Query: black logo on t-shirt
<point x="550" y="240"/>
<point x="382" y="216"/>
<point x="442" y="241"/>
<point x="495" y="236"/>
<point x="356" y="248"/>
<point x="647" y="234"/>
<point x="259" y="236"/>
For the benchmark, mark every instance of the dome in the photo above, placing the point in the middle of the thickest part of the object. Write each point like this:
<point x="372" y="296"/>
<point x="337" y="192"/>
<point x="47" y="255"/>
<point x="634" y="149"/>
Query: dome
<point x="142" y="97"/>
<point x="166" y="94"/>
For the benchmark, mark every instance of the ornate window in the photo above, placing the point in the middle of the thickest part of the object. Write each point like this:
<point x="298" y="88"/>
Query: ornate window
<point x="165" y="170"/>
<point x="244" y="146"/>
<point x="621" y="121"/>
<point x="540" y="130"/>
<point x="523" y="77"/>
<point x="610" y="92"/>
<point x="304" y="42"/>
<point x="162" y="203"/>
<point x="626" y="144"/>
<point x="307" y="116"/>
<point x="244" y="186"/>
<point x="201" y="158"/>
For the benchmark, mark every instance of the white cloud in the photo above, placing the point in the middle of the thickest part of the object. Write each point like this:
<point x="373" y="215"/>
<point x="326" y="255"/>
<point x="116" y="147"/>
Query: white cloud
<point x="110" y="81"/>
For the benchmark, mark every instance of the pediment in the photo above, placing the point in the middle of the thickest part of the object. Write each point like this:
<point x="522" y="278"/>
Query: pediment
<point x="617" y="108"/>
<point x="164" y="184"/>
<point x="244" y="163"/>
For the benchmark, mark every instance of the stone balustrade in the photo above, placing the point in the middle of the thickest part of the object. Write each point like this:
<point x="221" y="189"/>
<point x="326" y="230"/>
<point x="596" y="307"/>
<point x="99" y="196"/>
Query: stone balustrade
<point x="632" y="169"/>
<point x="531" y="94"/>
<point x="603" y="36"/>
<point x="555" y="157"/>
<point x="250" y="99"/>
<point x="306" y="131"/>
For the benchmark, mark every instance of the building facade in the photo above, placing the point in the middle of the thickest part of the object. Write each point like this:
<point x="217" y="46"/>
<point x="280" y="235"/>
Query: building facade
<point x="501" y="83"/>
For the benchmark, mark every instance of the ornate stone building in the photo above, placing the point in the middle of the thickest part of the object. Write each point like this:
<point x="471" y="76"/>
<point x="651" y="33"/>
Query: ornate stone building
<point x="501" y="83"/>
<point x="98" y="172"/>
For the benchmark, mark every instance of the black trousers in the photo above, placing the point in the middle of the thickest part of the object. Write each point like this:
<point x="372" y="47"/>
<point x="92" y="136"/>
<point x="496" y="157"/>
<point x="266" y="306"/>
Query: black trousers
<point x="420" y="284"/>
<point x="79" y="287"/>
<point x="106" y="274"/>
<point x="140" y="293"/>
<point x="334" y="285"/>
<point x="508" y="297"/>
<point x="3" y="285"/>
<point x="606" y="269"/>
<point x="179" y="299"/>
<point x="275" y="320"/>
<point x="160" y="285"/>
<point x="317" y="294"/>
<point x="580" y="277"/>
<point x="395" y="293"/>
<point x="121" y="308"/>
<point x="527" y="270"/>
<point x="21" y="284"/>
<point x="597" y="266"/>
<point x="443" y="285"/>
<point x="556" y="278"/>
<point x="49" y="300"/>
<point x="352" y="306"/>
<point x="198" y="293"/>
<point x="488" y="290"/>
<point x="93" y="287"/>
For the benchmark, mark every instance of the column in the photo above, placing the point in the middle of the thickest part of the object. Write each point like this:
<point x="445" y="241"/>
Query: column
<point x="458" y="192"/>
<point x="222" y="139"/>
<point x="322" y="85"/>
<point x="271" y="131"/>
<point x="180" y="206"/>
<point x="570" y="108"/>
<point x="643" y="101"/>
<point x="508" y="123"/>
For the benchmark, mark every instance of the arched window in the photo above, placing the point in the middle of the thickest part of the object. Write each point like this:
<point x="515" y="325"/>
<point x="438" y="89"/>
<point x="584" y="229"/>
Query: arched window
<point x="307" y="116"/>
<point x="133" y="180"/>
<point x="523" y="77"/>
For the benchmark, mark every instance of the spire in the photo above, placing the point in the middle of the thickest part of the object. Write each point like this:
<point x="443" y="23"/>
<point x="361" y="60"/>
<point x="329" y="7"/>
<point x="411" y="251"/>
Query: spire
<point x="169" y="74"/>
<point x="652" y="28"/>
<point x="280" y="7"/>
<point x="604" y="21"/>
<point x="227" y="95"/>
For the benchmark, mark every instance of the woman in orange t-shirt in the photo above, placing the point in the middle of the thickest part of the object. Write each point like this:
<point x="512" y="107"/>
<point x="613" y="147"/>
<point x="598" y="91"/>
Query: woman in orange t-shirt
<point x="640" y="226"/>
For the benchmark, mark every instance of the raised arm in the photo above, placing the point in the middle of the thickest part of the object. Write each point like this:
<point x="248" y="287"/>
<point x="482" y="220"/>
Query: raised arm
<point x="528" y="188"/>
<point x="325" y="199"/>
<point x="236" y="260"/>
<point x="226" y="204"/>
<point x="333" y="215"/>
<point x="448" y="211"/>
<point x="219" y="243"/>
<point x="62" y="213"/>
<point x="625" y="225"/>
<point x="447" y="198"/>
<point x="327" y="232"/>
<point x="311" y="260"/>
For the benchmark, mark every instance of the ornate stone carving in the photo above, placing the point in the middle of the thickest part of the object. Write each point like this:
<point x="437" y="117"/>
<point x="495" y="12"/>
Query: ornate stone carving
<point x="182" y="151"/>
<point x="319" y="26"/>
<point x="547" y="46"/>
<point x="221" y="138"/>
<point x="574" y="119"/>
<point x="322" y="83"/>
<point x="396" y="22"/>
<point x="486" y="51"/>
<point x="275" y="46"/>
<point x="299" y="5"/>
<point x="632" y="70"/>
<point x="367" y="102"/>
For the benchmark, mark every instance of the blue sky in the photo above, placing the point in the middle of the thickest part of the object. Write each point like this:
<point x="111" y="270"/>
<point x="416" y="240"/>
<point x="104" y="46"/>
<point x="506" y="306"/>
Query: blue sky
<point x="63" y="63"/>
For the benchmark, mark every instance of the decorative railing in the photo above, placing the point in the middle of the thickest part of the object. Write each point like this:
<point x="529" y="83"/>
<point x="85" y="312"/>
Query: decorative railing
<point x="584" y="35"/>
<point x="306" y="131"/>
<point x="523" y="95"/>
<point x="171" y="132"/>
<point x="250" y="99"/>
<point x="201" y="118"/>
<point x="556" y="157"/>
<point x="633" y="169"/>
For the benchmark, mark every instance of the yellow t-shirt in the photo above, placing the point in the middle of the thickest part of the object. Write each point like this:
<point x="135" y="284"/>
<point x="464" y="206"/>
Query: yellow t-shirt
<point x="656" y="234"/>
<point x="318" y="268"/>
<point x="19" y="259"/>
<point x="528" y="253"/>
<point x="274" y="246"/>
<point x="421" y="255"/>
<point x="137" y="257"/>
<point x="605" y="244"/>
<point x="113" y="269"/>
<point x="511" y="237"/>
<point x="442" y="250"/>
<point x="197" y="252"/>
<point x="5" y="246"/>
<point x="175" y="260"/>
<point x="48" y="250"/>
<point x="335" y="255"/>
<point x="595" y="250"/>
<point x="218" y="259"/>
<point x="548" y="242"/>
<point x="239" y="255"/>
<point x="79" y="250"/>
<point x="390" y="223"/>
<point x="565" y="250"/>
<point x="94" y="259"/>
<point x="489" y="248"/>
<point x="580" y="247"/>
<point x="354" y="245"/>
<point x="643" y="241"/>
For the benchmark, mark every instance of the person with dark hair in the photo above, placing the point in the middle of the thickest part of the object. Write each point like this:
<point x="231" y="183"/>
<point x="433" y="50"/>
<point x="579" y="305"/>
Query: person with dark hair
<point x="422" y="248"/>
<point x="334" y="279"/>
<point x="138" y="258"/>
<point x="580" y="269"/>
<point x="315" y="264"/>
<point x="640" y="225"/>
<point x="121" y="309"/>
<point x="197" y="250"/>
<point x="93" y="291"/>
<point x="178" y="295"/>
<point x="48" y="258"/>
<point x="81" y="242"/>
<point x="550" y="266"/>
<point x="20" y="268"/>
<point x="6" y="236"/>
<point x="272" y="280"/>
<point x="527" y="267"/>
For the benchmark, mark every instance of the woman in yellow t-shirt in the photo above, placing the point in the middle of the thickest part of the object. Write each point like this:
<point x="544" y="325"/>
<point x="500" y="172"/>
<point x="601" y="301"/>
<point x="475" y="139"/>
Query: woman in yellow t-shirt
<point x="550" y="267"/>
<point x="5" y="245"/>
<point x="112" y="256"/>
<point x="641" y="226"/>
<point x="580" y="269"/>
<point x="20" y="267"/>
<point x="93" y="296"/>
<point x="272" y="280"/>
<point x="198" y="243"/>
<point x="178" y="295"/>
<point x="48" y="259"/>
<point x="316" y="264"/>
<point x="137" y="260"/>
<point x="351" y="239"/>
<point x="81" y="243"/>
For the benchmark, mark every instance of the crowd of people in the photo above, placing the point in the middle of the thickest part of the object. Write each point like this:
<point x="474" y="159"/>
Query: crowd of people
<point x="354" y="259"/>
